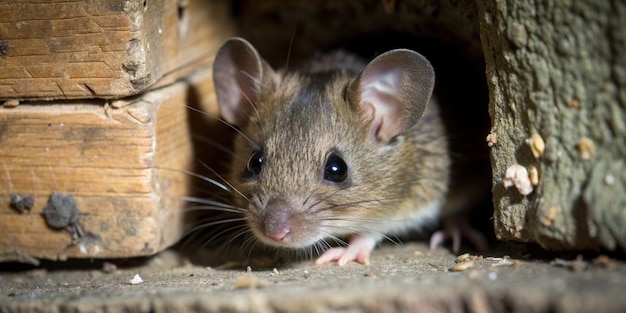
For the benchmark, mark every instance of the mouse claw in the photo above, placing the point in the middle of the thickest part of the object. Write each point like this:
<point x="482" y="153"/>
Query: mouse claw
<point x="359" y="251"/>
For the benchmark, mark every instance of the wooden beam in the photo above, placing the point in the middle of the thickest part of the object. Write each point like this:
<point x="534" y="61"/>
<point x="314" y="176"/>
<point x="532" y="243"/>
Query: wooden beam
<point x="102" y="49"/>
<point x="124" y="164"/>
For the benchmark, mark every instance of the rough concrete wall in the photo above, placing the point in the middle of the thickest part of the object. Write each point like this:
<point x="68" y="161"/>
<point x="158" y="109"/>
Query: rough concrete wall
<point x="557" y="69"/>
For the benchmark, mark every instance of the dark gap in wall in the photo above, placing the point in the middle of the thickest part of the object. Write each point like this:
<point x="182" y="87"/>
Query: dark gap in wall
<point x="301" y="29"/>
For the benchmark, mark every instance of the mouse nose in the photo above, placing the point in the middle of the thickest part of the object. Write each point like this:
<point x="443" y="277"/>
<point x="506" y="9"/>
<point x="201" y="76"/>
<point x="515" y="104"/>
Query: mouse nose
<point x="277" y="235"/>
<point x="277" y="226"/>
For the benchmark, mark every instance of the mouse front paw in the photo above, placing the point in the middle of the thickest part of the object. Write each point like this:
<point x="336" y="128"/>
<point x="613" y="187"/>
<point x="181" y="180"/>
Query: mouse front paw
<point x="359" y="250"/>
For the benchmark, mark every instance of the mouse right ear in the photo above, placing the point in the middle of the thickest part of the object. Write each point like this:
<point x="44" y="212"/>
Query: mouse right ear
<point x="392" y="92"/>
<point x="239" y="74"/>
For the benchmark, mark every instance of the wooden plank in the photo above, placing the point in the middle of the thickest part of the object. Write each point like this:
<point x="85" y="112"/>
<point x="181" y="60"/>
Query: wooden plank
<point x="123" y="164"/>
<point x="101" y="49"/>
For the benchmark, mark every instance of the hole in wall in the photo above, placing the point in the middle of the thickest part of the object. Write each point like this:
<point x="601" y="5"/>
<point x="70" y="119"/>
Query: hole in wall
<point x="445" y="32"/>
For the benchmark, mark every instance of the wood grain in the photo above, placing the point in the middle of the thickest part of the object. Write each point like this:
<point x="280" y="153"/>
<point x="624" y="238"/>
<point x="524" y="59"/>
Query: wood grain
<point x="124" y="165"/>
<point x="103" y="49"/>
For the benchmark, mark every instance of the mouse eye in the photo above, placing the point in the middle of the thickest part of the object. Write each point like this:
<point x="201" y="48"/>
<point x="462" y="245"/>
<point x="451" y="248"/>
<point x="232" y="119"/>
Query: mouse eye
<point x="336" y="169"/>
<point x="255" y="163"/>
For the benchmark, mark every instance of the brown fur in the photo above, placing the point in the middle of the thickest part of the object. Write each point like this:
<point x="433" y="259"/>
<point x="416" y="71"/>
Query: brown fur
<point x="301" y="117"/>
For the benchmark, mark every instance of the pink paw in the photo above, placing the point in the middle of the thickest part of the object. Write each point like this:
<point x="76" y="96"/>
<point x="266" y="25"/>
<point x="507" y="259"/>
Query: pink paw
<point x="359" y="251"/>
<point x="455" y="230"/>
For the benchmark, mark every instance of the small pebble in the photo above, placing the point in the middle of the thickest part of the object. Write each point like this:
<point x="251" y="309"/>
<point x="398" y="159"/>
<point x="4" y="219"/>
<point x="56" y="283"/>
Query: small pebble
<point x="251" y="281"/>
<point x="586" y="148"/>
<point x="517" y="175"/>
<point x="537" y="145"/>
<point x="462" y="266"/>
<point x="136" y="280"/>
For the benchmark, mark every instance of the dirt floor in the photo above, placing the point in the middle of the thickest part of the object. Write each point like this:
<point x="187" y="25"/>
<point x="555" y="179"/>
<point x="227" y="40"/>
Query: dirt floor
<point x="407" y="278"/>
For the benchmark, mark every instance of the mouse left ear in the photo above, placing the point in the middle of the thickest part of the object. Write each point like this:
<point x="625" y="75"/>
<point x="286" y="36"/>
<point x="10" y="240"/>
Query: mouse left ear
<point x="392" y="92"/>
<point x="239" y="75"/>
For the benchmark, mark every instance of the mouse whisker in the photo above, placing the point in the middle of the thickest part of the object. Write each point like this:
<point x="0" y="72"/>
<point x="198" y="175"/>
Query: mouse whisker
<point x="252" y="105"/>
<point x="225" y="200"/>
<point x="202" y="224"/>
<point x="211" y="205"/>
<point x="293" y="35"/>
<point x="256" y="201"/>
<point x="255" y="81"/>
<point x="319" y="247"/>
<point x="215" y="144"/>
<point x="197" y="208"/>
<point x="395" y="240"/>
<point x="339" y="241"/>
<point x="308" y="198"/>
<point x="335" y="206"/>
<point x="252" y="243"/>
<point x="356" y="202"/>
<point x="239" y="231"/>
<point x="218" y="206"/>
<point x="233" y="127"/>
<point x="314" y="192"/>
<point x="330" y="236"/>
<point x="202" y="177"/>
<point x="405" y="182"/>
<point x="321" y="200"/>
<point x="358" y="229"/>
<point x="225" y="181"/>
<point x="196" y="233"/>
<point x="366" y="219"/>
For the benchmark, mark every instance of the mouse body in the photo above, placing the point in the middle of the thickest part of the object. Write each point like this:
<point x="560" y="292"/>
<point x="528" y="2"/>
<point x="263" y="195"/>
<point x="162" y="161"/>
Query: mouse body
<point x="336" y="149"/>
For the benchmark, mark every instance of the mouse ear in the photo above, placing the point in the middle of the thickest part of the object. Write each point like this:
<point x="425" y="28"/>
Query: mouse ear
<point x="239" y="74"/>
<point x="393" y="91"/>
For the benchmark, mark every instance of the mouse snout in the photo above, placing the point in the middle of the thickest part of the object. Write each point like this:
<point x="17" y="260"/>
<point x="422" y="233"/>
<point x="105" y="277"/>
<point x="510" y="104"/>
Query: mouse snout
<point x="277" y="220"/>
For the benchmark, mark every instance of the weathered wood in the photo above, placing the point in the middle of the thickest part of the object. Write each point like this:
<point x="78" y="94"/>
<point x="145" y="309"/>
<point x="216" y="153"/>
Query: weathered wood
<point x="557" y="70"/>
<point x="103" y="49"/>
<point x="124" y="163"/>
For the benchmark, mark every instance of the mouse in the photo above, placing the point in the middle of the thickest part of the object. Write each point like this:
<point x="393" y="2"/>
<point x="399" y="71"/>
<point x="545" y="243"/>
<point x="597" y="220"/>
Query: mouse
<point x="335" y="154"/>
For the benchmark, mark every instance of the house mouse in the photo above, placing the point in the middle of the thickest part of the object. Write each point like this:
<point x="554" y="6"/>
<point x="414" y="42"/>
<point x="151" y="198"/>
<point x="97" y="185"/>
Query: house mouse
<point x="336" y="149"/>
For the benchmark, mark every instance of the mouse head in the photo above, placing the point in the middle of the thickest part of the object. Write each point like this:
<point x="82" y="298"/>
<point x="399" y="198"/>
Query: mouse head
<point x="391" y="92"/>
<point x="318" y="146"/>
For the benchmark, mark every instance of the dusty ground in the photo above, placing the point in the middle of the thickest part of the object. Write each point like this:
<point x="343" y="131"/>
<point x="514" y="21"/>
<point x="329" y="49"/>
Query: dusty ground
<point x="399" y="278"/>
